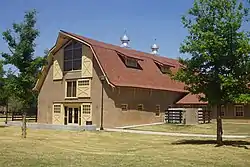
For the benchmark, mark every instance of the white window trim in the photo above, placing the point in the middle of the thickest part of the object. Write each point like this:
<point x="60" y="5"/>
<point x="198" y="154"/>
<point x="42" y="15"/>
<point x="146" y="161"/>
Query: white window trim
<point x="66" y="84"/>
<point x="235" y="110"/>
<point x="77" y="86"/>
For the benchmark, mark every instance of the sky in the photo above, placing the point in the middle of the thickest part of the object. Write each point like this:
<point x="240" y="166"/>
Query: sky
<point x="104" y="20"/>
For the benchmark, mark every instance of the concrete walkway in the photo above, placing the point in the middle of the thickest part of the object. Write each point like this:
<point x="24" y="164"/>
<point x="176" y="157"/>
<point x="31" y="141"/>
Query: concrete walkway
<point x="174" y="134"/>
<point x="134" y="126"/>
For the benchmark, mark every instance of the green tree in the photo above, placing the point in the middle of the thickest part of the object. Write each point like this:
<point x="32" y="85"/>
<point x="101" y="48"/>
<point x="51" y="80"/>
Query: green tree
<point x="21" y="43"/>
<point x="219" y="65"/>
<point x="3" y="97"/>
<point x="2" y="81"/>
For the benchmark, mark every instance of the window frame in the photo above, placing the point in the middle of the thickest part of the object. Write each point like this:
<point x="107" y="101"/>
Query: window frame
<point x="57" y="108"/>
<point x="130" y="62"/>
<point x="165" y="69"/>
<point x="72" y="89"/>
<point x="73" y="60"/>
<point x="84" y="106"/>
<point x="124" y="105"/>
<point x="235" y="111"/>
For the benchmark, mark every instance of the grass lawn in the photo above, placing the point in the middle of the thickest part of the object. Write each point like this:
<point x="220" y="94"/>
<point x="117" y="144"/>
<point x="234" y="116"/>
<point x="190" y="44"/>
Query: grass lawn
<point x="65" y="148"/>
<point x="239" y="127"/>
<point x="2" y="119"/>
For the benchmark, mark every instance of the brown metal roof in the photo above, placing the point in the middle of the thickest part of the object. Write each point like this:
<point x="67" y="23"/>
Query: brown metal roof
<point x="191" y="99"/>
<point x="118" y="74"/>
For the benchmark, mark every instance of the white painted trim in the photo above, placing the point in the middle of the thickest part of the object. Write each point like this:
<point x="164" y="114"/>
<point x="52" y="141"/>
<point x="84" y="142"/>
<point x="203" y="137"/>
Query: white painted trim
<point x="77" y="39"/>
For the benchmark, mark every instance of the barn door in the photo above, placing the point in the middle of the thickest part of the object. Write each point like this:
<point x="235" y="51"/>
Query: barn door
<point x="58" y="114"/>
<point x="57" y="70"/>
<point x="83" y="88"/>
<point x="86" y="113"/>
<point x="86" y="62"/>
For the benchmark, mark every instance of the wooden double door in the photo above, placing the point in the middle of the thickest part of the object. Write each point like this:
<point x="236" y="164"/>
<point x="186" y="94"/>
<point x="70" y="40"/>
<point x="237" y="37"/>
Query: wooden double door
<point x="72" y="115"/>
<point x="77" y="114"/>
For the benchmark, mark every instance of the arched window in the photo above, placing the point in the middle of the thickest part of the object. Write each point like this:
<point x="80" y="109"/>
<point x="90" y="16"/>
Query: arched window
<point x="73" y="56"/>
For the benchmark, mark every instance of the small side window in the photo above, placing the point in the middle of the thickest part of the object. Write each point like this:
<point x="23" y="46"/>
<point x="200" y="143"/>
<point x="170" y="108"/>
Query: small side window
<point x="140" y="107"/>
<point x="157" y="110"/>
<point x="124" y="107"/>
<point x="57" y="108"/>
<point x="239" y="111"/>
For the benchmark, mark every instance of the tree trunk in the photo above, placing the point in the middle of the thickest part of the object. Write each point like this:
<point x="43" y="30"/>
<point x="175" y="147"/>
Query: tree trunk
<point x="24" y="126"/>
<point x="219" y="126"/>
<point x="6" y="114"/>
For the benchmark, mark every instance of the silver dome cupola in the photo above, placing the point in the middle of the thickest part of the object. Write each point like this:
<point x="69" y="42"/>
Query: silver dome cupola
<point x="154" y="48"/>
<point x="125" y="40"/>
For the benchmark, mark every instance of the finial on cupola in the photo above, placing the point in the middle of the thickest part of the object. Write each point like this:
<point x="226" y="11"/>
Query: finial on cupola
<point x="155" y="48"/>
<point x="125" y="40"/>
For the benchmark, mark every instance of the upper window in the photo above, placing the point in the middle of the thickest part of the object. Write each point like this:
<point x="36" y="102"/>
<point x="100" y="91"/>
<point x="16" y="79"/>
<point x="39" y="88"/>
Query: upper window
<point x="73" y="56"/>
<point x="131" y="62"/>
<point x="239" y="110"/>
<point x="71" y="89"/>
<point x="165" y="69"/>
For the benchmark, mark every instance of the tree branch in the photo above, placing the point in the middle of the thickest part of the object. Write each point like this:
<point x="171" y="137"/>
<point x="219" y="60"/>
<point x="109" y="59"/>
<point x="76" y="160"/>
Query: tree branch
<point x="11" y="50"/>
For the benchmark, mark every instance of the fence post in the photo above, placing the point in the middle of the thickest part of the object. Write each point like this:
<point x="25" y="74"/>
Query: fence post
<point x="180" y="116"/>
<point x="12" y="116"/>
<point x="204" y="114"/>
<point x="168" y="116"/>
<point x="209" y="116"/>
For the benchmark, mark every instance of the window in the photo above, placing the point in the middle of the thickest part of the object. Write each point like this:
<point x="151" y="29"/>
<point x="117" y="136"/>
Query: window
<point x="124" y="107"/>
<point x="239" y="110"/>
<point x="57" y="108"/>
<point x="84" y="88"/>
<point x="73" y="56"/>
<point x="131" y="62"/>
<point x="83" y="82"/>
<point x="71" y="89"/>
<point x="86" y="109"/>
<point x="140" y="107"/>
<point x="157" y="110"/>
<point x="223" y="110"/>
<point x="165" y="69"/>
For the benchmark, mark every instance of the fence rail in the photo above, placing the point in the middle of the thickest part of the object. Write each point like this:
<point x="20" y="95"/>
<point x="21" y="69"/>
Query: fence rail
<point x="204" y="116"/>
<point x="17" y="116"/>
<point x="173" y="116"/>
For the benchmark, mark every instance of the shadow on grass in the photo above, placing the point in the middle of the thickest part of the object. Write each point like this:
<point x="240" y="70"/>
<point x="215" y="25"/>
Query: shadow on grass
<point x="234" y="143"/>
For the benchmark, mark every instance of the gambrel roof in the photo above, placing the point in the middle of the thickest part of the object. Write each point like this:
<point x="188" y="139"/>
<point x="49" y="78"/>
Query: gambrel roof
<point x="116" y="72"/>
